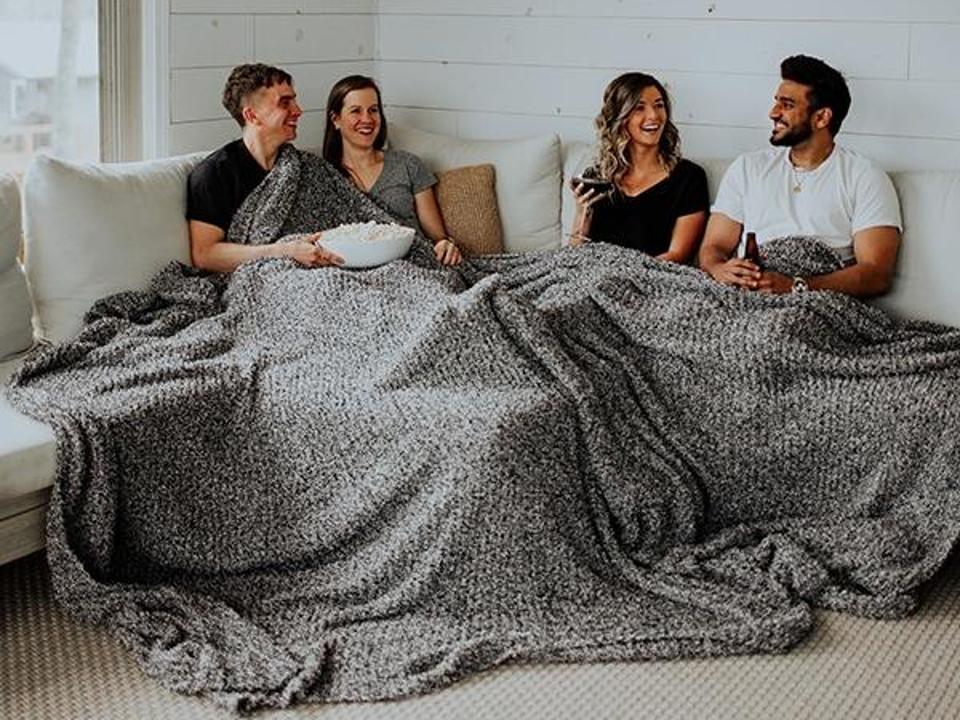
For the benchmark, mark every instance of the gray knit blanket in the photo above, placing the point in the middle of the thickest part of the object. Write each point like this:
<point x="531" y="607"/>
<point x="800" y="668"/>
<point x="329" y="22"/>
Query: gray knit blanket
<point x="292" y="484"/>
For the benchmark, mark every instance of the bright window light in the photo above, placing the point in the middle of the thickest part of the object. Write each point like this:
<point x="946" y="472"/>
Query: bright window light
<point x="49" y="81"/>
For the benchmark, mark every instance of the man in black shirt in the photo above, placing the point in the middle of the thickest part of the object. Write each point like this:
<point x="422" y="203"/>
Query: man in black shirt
<point x="262" y="101"/>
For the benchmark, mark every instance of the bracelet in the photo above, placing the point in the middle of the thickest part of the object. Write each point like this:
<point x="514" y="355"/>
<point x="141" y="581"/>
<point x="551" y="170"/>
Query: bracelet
<point x="579" y="236"/>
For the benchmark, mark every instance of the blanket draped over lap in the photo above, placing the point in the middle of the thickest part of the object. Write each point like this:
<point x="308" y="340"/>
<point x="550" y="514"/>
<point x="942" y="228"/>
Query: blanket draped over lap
<point x="291" y="484"/>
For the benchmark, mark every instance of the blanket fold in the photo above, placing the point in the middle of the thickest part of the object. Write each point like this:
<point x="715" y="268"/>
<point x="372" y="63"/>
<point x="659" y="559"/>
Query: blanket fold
<point x="286" y="485"/>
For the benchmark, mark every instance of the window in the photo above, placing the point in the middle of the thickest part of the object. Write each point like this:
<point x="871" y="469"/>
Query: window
<point x="70" y="79"/>
<point x="49" y="81"/>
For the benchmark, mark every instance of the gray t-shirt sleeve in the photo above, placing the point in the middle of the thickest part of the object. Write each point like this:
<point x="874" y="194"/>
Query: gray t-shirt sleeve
<point x="403" y="176"/>
<point x="420" y="177"/>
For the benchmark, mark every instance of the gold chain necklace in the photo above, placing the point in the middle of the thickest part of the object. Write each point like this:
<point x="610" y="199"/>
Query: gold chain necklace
<point x="797" y="182"/>
<point x="798" y="173"/>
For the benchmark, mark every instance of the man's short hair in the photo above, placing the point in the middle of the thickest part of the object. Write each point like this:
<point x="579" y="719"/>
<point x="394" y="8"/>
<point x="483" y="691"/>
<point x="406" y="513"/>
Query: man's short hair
<point x="245" y="80"/>
<point x="827" y="86"/>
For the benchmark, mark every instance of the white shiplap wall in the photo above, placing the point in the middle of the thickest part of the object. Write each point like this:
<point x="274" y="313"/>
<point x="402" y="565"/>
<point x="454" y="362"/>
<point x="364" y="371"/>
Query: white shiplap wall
<point x="509" y="68"/>
<point x="520" y="67"/>
<point x="317" y="41"/>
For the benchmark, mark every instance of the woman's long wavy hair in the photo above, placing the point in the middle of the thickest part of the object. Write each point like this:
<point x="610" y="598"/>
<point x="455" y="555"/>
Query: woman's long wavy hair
<point x="620" y="99"/>
<point x="332" y="140"/>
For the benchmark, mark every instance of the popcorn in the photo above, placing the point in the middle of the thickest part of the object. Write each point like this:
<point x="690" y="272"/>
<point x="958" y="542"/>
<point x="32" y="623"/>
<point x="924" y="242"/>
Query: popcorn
<point x="366" y="232"/>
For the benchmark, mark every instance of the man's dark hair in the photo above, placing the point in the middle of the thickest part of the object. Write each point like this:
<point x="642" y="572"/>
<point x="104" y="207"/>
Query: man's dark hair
<point x="827" y="86"/>
<point x="245" y="80"/>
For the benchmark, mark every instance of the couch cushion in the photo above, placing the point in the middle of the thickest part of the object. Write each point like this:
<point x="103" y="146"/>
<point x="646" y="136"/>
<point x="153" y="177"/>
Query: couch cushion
<point x="714" y="168"/>
<point x="28" y="449"/>
<point x="527" y="175"/>
<point x="95" y="229"/>
<point x="16" y="328"/>
<point x="925" y="286"/>
<point x="467" y="197"/>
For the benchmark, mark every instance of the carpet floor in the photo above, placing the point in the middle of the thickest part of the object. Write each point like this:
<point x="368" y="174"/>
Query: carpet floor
<point x="53" y="668"/>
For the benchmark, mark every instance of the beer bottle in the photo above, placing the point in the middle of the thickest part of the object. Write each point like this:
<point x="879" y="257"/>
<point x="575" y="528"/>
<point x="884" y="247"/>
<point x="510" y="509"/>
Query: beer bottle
<point x="752" y="250"/>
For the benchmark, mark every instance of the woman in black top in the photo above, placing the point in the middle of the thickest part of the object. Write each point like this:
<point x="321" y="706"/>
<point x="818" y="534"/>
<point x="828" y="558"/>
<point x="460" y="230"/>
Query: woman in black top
<point x="657" y="202"/>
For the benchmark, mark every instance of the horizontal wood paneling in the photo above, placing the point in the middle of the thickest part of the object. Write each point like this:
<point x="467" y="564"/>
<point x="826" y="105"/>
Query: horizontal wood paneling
<point x="827" y="10"/>
<point x="317" y="41"/>
<point x="210" y="40"/>
<point x="285" y="39"/>
<point x="881" y="107"/>
<point x="934" y="54"/>
<point x="522" y="8"/>
<point x="226" y="40"/>
<point x="506" y="68"/>
<point x="195" y="93"/>
<point x="906" y="109"/>
<point x="872" y="50"/>
<point x="209" y="135"/>
<point x="699" y="141"/>
<point x="891" y="154"/>
<point x="198" y="136"/>
<point x="517" y="68"/>
<point x="266" y="7"/>
<point x="853" y="11"/>
<point x="438" y="121"/>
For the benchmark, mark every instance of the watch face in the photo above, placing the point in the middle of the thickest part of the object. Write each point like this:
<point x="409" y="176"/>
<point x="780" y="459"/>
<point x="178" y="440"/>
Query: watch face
<point x="799" y="284"/>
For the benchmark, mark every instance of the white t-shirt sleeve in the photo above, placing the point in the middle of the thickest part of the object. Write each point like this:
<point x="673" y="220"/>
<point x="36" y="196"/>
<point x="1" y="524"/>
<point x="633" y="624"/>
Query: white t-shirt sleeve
<point x="875" y="202"/>
<point x="730" y="200"/>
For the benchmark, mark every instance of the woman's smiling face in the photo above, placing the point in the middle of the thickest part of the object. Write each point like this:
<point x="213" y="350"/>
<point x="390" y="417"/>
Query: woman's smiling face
<point x="359" y="119"/>
<point x="648" y="119"/>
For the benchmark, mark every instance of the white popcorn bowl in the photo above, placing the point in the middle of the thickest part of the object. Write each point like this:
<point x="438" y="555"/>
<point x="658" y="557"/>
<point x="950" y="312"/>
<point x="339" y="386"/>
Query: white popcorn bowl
<point x="370" y="253"/>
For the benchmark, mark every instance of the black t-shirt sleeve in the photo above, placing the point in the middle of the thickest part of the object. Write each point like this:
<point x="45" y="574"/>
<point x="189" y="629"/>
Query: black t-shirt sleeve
<point x="221" y="182"/>
<point x="210" y="194"/>
<point x="694" y="195"/>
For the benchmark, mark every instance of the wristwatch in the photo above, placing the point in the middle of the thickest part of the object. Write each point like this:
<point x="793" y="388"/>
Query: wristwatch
<point x="800" y="285"/>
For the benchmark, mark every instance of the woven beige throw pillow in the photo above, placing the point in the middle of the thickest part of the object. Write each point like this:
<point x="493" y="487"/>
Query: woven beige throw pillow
<point x="468" y="203"/>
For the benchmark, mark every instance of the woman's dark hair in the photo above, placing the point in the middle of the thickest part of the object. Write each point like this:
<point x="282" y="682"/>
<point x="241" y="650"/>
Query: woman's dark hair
<point x="620" y="99"/>
<point x="332" y="141"/>
<point x="245" y="80"/>
<point x="827" y="86"/>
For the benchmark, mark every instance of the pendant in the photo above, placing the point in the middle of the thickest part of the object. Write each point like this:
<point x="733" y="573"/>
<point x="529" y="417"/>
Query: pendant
<point x="797" y="188"/>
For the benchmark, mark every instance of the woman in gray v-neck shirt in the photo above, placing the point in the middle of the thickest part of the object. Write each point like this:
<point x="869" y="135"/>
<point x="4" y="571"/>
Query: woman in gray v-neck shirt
<point x="353" y="142"/>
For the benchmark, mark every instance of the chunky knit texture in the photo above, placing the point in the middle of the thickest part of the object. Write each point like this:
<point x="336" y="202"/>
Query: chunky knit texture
<point x="290" y="484"/>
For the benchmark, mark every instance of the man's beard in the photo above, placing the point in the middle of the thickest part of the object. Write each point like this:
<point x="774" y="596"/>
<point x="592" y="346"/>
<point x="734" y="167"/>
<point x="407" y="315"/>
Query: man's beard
<point x="794" y="136"/>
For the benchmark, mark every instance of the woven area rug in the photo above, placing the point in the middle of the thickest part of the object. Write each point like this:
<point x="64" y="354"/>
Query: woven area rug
<point x="52" y="667"/>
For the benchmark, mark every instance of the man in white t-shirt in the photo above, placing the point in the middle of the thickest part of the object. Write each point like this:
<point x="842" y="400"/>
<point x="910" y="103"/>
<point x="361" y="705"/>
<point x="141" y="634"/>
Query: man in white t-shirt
<point x="806" y="185"/>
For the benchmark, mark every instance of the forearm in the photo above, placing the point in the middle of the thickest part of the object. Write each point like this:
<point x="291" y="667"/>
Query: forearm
<point x="428" y="213"/>
<point x="582" y="221"/>
<point x="676" y="256"/>
<point x="861" y="280"/>
<point x="712" y="256"/>
<point x="687" y="231"/>
<point x="435" y="231"/>
<point x="719" y="244"/>
<point x="227" y="257"/>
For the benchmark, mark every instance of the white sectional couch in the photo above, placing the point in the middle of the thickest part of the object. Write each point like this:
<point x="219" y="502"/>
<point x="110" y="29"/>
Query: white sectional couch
<point x="95" y="229"/>
<point x="27" y="447"/>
